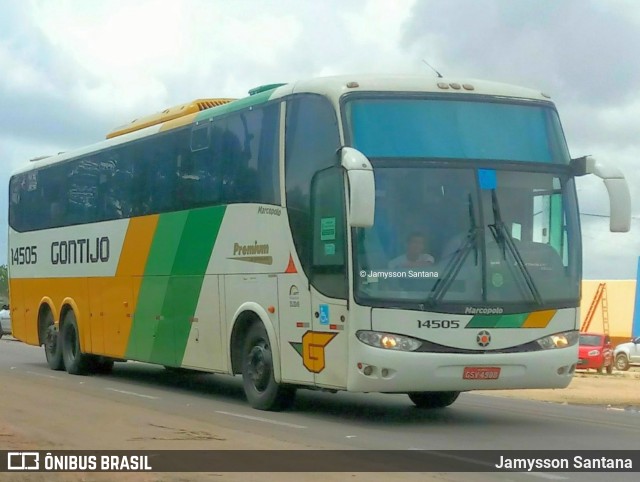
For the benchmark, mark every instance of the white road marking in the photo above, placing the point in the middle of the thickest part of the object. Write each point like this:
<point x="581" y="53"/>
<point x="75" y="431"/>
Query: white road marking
<point x="131" y="393"/>
<point x="44" y="375"/>
<point x="350" y="436"/>
<point x="260" y="419"/>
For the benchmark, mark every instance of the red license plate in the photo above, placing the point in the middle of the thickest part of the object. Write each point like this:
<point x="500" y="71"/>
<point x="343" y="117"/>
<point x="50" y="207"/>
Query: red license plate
<point x="481" y="373"/>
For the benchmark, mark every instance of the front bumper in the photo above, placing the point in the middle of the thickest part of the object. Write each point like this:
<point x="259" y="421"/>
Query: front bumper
<point x="401" y="372"/>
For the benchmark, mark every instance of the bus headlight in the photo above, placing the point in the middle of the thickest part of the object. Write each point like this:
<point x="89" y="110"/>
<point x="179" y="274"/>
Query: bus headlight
<point x="389" y="341"/>
<point x="559" y="340"/>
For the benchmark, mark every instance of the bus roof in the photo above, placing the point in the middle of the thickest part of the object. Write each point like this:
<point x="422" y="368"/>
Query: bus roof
<point x="335" y="86"/>
<point x="332" y="87"/>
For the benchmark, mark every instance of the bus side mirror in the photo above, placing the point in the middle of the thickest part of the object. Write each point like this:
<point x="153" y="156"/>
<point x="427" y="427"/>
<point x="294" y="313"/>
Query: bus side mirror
<point x="362" y="187"/>
<point x="616" y="184"/>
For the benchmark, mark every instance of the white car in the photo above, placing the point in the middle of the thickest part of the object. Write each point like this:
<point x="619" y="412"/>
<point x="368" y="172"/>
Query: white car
<point x="5" y="321"/>
<point x="627" y="354"/>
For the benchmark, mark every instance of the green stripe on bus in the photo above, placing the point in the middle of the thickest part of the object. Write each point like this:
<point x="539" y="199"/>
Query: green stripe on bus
<point x="165" y="244"/>
<point x="169" y="292"/>
<point x="498" y="321"/>
<point x="148" y="317"/>
<point x="512" y="321"/>
<point x="187" y="276"/>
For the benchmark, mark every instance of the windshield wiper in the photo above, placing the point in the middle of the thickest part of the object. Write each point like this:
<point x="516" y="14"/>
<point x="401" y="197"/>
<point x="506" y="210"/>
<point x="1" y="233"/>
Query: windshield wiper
<point x="454" y="265"/>
<point x="504" y="240"/>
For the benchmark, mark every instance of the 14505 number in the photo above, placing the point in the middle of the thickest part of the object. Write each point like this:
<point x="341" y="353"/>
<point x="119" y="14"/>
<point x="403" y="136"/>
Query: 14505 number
<point x="438" y="323"/>
<point x="24" y="255"/>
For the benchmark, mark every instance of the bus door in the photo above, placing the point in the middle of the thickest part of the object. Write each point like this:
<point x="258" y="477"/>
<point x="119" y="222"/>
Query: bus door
<point x="295" y="324"/>
<point x="327" y="347"/>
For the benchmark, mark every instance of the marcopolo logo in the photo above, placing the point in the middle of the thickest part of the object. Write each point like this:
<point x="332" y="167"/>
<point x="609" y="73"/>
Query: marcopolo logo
<point x="470" y="310"/>
<point x="269" y="210"/>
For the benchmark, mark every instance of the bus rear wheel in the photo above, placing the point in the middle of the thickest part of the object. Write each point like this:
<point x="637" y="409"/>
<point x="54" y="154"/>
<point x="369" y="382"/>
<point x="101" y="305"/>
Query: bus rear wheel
<point x="260" y="387"/>
<point x="433" y="399"/>
<point x="51" y="341"/>
<point x="75" y="362"/>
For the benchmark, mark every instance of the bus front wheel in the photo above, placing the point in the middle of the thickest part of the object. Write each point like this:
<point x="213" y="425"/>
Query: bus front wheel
<point x="51" y="341"/>
<point x="75" y="362"/>
<point x="433" y="399"/>
<point x="260" y="387"/>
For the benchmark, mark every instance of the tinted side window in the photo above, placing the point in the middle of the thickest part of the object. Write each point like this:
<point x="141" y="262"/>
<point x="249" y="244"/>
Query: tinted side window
<point x="311" y="142"/>
<point x="264" y="152"/>
<point x="231" y="159"/>
<point x="25" y="198"/>
<point x="115" y="188"/>
<point x="245" y="145"/>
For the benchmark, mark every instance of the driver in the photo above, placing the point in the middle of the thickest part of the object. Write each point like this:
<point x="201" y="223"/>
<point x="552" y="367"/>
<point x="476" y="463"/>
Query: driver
<point x="415" y="257"/>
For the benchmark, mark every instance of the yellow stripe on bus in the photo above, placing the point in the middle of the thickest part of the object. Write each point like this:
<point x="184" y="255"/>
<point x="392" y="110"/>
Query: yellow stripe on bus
<point x="105" y="304"/>
<point x="539" y="319"/>
<point x="30" y="294"/>
<point x="121" y="292"/>
<point x="137" y="244"/>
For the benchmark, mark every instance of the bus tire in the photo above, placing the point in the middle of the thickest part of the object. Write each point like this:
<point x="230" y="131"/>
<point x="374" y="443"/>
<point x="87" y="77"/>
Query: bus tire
<point x="75" y="362"/>
<point x="433" y="399"/>
<point x="51" y="342"/>
<point x="260" y="387"/>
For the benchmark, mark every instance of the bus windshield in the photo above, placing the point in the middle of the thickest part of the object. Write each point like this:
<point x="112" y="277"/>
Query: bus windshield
<point x="417" y="126"/>
<point x="452" y="238"/>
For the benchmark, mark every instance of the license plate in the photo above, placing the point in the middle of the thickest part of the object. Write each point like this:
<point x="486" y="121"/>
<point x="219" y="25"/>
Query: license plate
<point x="481" y="373"/>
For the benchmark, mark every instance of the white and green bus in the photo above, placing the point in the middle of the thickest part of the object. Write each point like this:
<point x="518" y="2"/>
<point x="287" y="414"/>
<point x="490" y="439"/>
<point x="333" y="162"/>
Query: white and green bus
<point x="365" y="233"/>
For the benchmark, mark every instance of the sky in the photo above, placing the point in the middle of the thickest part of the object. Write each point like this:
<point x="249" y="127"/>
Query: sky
<point x="71" y="71"/>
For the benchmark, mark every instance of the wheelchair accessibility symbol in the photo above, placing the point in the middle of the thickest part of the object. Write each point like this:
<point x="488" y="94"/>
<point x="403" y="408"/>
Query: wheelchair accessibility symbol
<point x="324" y="314"/>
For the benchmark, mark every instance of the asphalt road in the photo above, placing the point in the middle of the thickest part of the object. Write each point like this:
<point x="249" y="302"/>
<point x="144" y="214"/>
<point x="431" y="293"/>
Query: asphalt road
<point x="334" y="421"/>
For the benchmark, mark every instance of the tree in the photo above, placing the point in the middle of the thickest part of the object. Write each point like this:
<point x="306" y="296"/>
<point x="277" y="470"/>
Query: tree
<point x="4" y="282"/>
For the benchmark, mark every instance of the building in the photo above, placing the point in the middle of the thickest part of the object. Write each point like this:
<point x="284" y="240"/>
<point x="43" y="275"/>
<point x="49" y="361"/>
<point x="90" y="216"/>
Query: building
<point x="622" y="301"/>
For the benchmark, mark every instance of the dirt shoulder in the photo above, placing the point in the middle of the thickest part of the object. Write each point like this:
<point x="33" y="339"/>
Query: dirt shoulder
<point x="40" y="414"/>
<point x="620" y="390"/>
